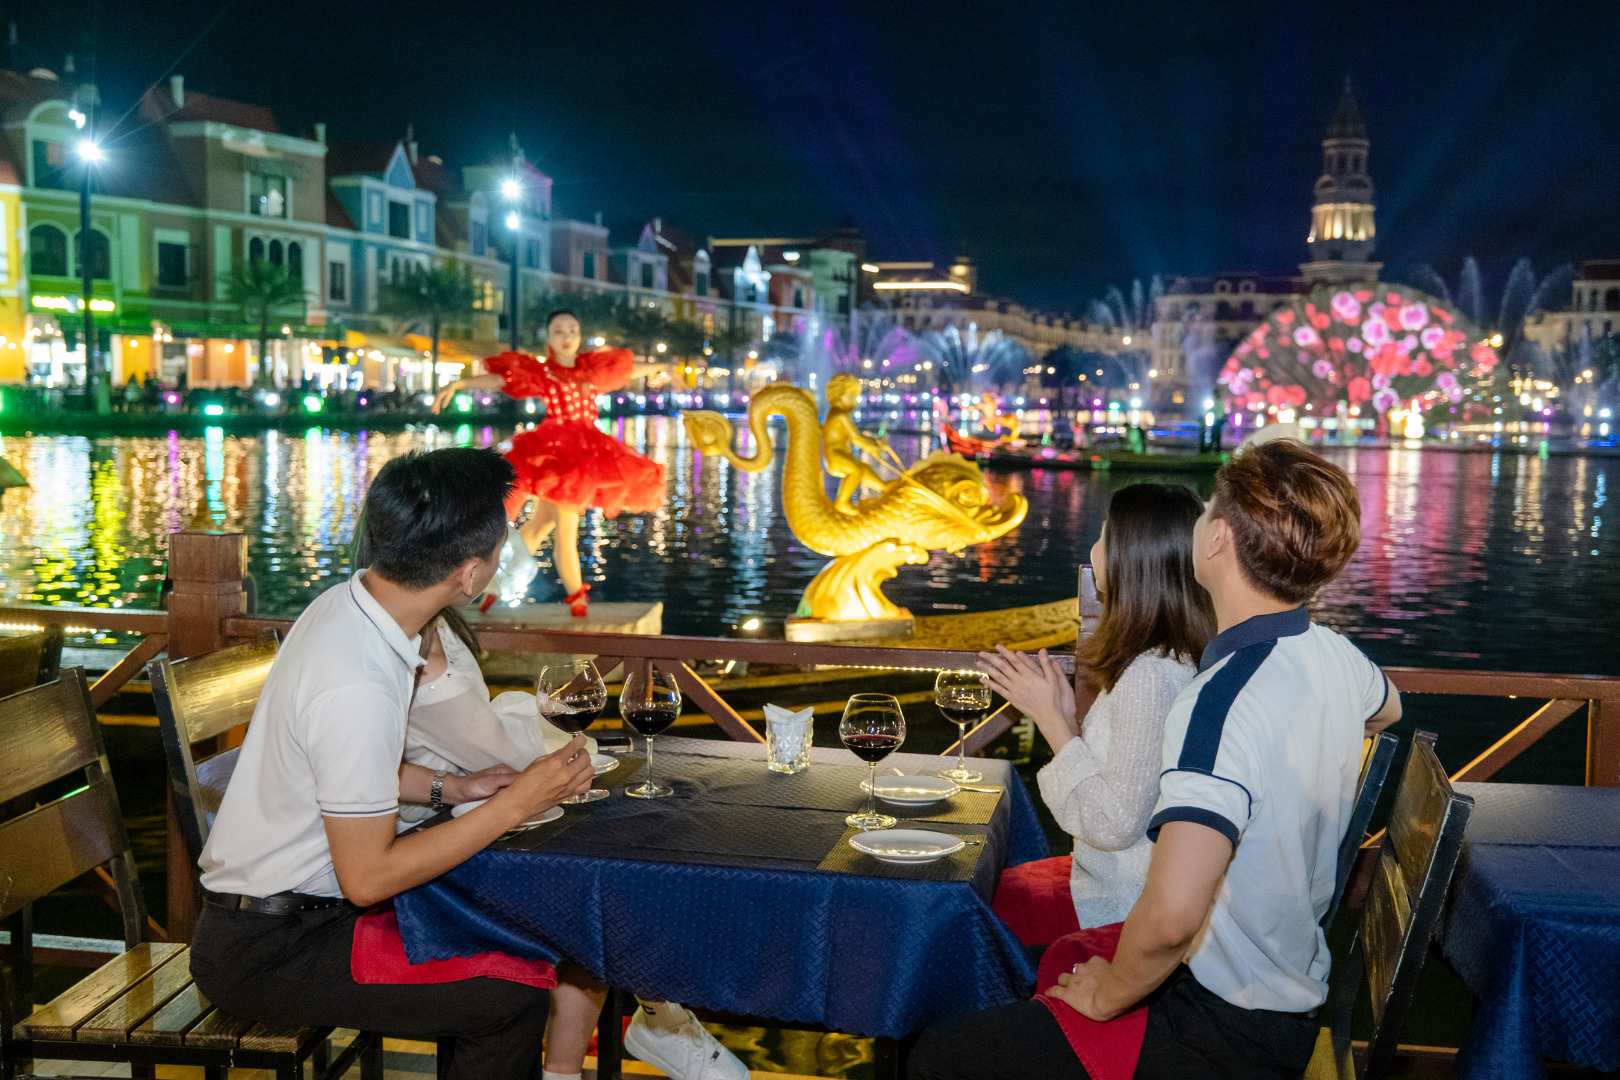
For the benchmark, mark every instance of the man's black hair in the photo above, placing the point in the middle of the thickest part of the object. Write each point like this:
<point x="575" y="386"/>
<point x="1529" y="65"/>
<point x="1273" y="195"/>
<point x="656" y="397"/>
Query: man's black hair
<point x="427" y="514"/>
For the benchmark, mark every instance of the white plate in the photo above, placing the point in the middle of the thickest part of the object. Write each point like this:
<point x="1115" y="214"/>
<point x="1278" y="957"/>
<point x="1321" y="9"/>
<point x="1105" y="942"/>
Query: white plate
<point x="604" y="763"/>
<point x="905" y="845"/>
<point x="913" y="790"/>
<point x="539" y="819"/>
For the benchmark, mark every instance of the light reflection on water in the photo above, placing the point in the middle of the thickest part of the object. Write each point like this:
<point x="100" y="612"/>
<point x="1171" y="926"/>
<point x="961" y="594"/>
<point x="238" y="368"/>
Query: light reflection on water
<point x="1467" y="560"/>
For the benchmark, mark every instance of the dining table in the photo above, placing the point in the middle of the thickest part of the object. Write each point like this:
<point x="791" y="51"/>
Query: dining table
<point x="741" y="894"/>
<point x="1533" y="927"/>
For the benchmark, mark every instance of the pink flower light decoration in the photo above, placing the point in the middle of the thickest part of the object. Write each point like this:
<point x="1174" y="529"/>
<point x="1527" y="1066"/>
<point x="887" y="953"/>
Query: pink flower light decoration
<point x="1356" y="343"/>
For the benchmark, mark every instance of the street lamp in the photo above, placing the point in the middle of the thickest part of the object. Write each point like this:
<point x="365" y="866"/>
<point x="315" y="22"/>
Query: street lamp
<point x="512" y="191"/>
<point x="90" y="155"/>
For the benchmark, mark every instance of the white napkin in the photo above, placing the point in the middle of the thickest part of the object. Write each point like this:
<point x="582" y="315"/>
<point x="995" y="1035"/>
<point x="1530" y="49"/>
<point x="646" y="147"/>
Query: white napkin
<point x="789" y="728"/>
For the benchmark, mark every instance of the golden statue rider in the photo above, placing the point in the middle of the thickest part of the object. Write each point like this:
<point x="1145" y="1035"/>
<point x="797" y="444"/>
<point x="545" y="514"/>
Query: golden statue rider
<point x="839" y="434"/>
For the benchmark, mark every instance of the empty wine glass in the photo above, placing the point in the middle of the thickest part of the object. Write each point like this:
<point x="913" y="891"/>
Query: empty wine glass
<point x="577" y="697"/>
<point x="963" y="696"/>
<point x="650" y="702"/>
<point x="873" y="727"/>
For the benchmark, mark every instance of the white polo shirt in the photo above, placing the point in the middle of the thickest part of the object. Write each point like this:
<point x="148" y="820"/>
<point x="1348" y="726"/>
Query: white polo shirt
<point x="326" y="740"/>
<point x="1264" y="747"/>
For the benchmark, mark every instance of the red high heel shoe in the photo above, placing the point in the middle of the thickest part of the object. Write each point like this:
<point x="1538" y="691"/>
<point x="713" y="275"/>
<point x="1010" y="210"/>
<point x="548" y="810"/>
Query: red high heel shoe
<point x="577" y="602"/>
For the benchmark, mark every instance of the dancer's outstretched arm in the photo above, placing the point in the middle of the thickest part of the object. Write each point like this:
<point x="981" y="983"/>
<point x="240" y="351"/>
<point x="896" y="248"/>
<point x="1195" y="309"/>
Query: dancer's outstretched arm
<point x="477" y="382"/>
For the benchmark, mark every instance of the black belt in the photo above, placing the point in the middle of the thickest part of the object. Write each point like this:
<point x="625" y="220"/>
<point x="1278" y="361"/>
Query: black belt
<point x="286" y="903"/>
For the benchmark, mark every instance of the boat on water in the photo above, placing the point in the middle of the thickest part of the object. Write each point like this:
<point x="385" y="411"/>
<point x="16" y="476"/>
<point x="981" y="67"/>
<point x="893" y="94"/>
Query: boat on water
<point x="1014" y="454"/>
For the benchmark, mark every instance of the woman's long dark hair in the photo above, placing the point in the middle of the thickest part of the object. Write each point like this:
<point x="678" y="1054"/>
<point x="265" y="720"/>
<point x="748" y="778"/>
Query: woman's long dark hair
<point x="1151" y="602"/>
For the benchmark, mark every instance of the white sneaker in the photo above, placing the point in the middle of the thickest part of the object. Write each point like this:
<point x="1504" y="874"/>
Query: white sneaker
<point x="687" y="1053"/>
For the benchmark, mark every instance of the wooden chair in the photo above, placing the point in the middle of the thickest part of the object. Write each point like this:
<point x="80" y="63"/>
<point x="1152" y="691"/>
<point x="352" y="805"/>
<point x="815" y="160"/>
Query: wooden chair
<point x="1403" y="906"/>
<point x="28" y="658"/>
<point x="198" y="700"/>
<point x="1376" y="756"/>
<point x="141" y="1007"/>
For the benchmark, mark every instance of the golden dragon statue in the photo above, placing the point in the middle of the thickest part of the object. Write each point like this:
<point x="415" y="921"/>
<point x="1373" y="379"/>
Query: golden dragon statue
<point x="940" y="502"/>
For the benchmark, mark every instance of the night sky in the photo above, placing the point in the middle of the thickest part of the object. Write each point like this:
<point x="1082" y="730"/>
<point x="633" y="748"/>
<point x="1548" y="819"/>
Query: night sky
<point x="1063" y="146"/>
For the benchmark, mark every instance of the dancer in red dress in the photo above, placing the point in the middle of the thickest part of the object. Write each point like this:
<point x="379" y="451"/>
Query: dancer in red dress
<point x="566" y="463"/>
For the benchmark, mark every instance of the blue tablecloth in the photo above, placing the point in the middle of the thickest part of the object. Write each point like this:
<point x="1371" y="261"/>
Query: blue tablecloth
<point x="1534" y="929"/>
<point x="713" y="898"/>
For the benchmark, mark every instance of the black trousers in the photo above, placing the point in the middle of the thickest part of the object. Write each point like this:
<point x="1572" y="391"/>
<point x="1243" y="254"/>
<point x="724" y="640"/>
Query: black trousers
<point x="1192" y="1034"/>
<point x="294" y="969"/>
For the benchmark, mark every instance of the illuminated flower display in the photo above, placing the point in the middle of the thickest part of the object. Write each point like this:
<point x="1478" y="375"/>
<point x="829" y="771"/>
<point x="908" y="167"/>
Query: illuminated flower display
<point x="1378" y="344"/>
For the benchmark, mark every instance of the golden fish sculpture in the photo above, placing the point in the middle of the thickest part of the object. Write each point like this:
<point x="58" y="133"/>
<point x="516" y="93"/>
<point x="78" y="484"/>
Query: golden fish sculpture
<point x="941" y="502"/>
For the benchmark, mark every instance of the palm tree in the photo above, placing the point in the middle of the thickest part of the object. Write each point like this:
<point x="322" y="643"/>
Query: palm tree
<point x="263" y="291"/>
<point x="434" y="295"/>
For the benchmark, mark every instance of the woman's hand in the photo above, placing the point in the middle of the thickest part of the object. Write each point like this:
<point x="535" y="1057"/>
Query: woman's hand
<point x="551" y="778"/>
<point x="1079" y="990"/>
<point x="443" y="397"/>
<point x="479" y="785"/>
<point x="1036" y="688"/>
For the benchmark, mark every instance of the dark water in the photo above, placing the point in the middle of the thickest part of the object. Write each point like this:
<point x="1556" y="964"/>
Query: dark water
<point x="1468" y="560"/>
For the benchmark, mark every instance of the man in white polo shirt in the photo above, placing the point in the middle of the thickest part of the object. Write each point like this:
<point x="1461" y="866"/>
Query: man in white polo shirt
<point x="1261" y="756"/>
<point x="305" y="835"/>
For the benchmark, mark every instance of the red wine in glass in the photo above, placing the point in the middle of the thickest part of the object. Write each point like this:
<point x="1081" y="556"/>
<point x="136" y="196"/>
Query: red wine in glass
<point x="873" y="727"/>
<point x="872" y="748"/>
<point x="963" y="714"/>
<point x="650" y="721"/>
<point x="575" y="720"/>
<point x="649" y="702"/>
<point x="964" y="698"/>
<point x="576" y="696"/>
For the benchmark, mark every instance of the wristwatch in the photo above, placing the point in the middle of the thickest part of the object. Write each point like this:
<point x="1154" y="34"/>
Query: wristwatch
<point x="436" y="792"/>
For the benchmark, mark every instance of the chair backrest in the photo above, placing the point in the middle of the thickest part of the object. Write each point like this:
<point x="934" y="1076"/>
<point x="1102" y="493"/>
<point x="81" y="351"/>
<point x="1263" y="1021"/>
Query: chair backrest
<point x="197" y="700"/>
<point x="1375" y="761"/>
<point x="1420" y="851"/>
<point x="29" y="658"/>
<point x="49" y="740"/>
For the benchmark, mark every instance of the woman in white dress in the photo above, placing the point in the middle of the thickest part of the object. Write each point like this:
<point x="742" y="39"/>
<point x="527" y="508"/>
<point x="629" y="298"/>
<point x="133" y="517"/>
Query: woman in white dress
<point x="1103" y="779"/>
<point x="455" y="726"/>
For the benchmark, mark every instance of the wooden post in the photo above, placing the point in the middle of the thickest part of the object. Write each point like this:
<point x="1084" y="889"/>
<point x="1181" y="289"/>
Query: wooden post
<point x="1603" y="744"/>
<point x="206" y="568"/>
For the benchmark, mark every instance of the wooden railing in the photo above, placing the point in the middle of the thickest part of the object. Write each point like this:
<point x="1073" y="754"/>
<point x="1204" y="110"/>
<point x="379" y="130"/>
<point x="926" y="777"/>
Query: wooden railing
<point x="207" y="609"/>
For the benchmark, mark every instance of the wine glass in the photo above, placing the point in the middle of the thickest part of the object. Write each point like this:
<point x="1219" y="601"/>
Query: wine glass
<point x="873" y="727"/>
<point x="963" y="696"/>
<point x="650" y="702"/>
<point x="577" y="698"/>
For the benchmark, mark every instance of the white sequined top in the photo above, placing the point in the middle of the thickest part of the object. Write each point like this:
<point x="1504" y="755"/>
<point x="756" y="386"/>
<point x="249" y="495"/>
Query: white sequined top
<point x="1101" y="787"/>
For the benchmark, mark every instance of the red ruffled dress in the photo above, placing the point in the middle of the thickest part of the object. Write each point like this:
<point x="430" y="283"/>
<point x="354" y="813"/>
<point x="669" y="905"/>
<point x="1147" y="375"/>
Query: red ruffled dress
<point x="567" y="460"/>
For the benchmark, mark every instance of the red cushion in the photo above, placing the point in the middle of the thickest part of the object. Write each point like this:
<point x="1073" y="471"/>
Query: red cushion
<point x="378" y="956"/>
<point x="1034" y="899"/>
<point x="1109" y="1051"/>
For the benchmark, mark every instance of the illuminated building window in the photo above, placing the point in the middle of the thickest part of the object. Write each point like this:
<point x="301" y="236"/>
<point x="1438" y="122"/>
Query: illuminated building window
<point x="267" y="196"/>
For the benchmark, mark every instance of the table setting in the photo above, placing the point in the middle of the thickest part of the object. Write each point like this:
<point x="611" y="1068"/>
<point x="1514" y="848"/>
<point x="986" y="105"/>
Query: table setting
<point x="779" y="880"/>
